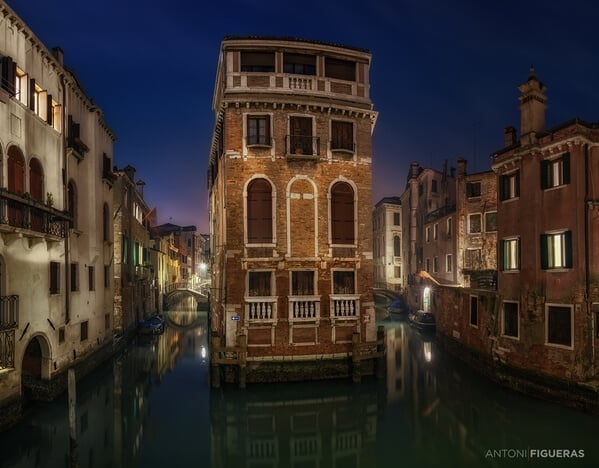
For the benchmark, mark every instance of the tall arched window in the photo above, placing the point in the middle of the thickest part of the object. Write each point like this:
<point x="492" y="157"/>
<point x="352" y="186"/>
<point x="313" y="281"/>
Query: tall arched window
<point x="342" y="214"/>
<point x="396" y="246"/>
<point x="259" y="212"/>
<point x="72" y="203"/>
<point x="36" y="180"/>
<point x="16" y="184"/>
<point x="16" y="171"/>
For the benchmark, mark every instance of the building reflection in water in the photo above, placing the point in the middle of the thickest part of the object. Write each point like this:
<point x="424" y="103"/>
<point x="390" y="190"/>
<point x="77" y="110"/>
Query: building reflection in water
<point x="148" y="408"/>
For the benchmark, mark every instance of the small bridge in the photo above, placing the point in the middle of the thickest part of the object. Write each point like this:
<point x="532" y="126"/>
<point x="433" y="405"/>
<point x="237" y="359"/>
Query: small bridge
<point x="199" y="291"/>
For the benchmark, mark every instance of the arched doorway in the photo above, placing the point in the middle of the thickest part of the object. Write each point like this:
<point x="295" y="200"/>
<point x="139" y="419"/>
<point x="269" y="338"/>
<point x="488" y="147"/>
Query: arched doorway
<point x="35" y="370"/>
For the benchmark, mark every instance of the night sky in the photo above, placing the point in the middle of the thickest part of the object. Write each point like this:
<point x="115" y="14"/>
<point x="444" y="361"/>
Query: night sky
<point x="443" y="79"/>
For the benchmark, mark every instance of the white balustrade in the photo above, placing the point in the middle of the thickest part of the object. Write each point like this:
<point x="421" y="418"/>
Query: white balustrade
<point x="261" y="309"/>
<point x="344" y="306"/>
<point x="304" y="308"/>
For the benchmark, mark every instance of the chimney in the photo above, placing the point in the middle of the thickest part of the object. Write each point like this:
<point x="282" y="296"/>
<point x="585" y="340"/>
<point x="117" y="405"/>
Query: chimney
<point x="461" y="167"/>
<point x="140" y="187"/>
<point x="532" y="105"/>
<point x="509" y="136"/>
<point x="58" y="55"/>
<point x="130" y="172"/>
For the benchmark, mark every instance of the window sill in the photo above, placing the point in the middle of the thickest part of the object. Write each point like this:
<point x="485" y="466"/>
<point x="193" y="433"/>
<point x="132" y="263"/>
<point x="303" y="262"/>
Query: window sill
<point x="510" y="337"/>
<point x="343" y="151"/>
<point x="560" y="346"/>
<point x="511" y="271"/>
<point x="555" y="187"/>
<point x="251" y="245"/>
<point x="259" y="145"/>
<point x="510" y="200"/>
<point x="557" y="270"/>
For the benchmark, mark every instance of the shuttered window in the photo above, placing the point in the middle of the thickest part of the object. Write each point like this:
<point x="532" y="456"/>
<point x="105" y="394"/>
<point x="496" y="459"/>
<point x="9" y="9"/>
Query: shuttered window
<point x="555" y="172"/>
<point x="342" y="214"/>
<point x="556" y="250"/>
<point x="342" y="135"/>
<point x="16" y="171"/>
<point x="36" y="180"/>
<point x="259" y="212"/>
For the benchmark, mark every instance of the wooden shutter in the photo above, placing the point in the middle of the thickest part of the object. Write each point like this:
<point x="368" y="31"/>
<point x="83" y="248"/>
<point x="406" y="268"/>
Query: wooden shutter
<point x="566" y="168"/>
<point x="16" y="171"/>
<point x="544" y="251"/>
<point x="342" y="214"/>
<point x="259" y="212"/>
<point x="32" y="94"/>
<point x="545" y="168"/>
<point x="36" y="180"/>
<point x="9" y="74"/>
<point x="49" y="110"/>
<point x="568" y="248"/>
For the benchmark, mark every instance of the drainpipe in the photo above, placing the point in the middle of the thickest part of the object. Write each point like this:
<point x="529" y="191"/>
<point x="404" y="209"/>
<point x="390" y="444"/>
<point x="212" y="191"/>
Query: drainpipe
<point x="65" y="181"/>
<point x="587" y="268"/>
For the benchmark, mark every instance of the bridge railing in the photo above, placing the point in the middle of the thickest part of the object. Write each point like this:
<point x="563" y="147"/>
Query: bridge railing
<point x="202" y="288"/>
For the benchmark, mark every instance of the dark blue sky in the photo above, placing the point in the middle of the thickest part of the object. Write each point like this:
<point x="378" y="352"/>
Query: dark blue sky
<point x="443" y="77"/>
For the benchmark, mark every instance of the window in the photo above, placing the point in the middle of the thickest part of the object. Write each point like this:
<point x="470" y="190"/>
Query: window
<point x="397" y="272"/>
<point x="258" y="130"/>
<point x="433" y="186"/>
<point x="91" y="278"/>
<point x="106" y="276"/>
<point x="54" y="277"/>
<point x="342" y="136"/>
<point x="302" y="283"/>
<point x="396" y="246"/>
<point x="74" y="277"/>
<point x="56" y="116"/>
<point x="340" y="69"/>
<point x="61" y="335"/>
<point x="259" y="212"/>
<point x="259" y="283"/>
<point x="435" y="231"/>
<point x="342" y="214"/>
<point x="449" y="263"/>
<point x="344" y="282"/>
<point x="559" y="325"/>
<point x="428" y="265"/>
<point x="21" y="85"/>
<point x="472" y="258"/>
<point x="510" y="254"/>
<point x="474" y="311"/>
<point x="491" y="221"/>
<point x="555" y="172"/>
<point x="427" y="234"/>
<point x="474" y="223"/>
<point x="509" y="186"/>
<point x="299" y="64"/>
<point x="435" y="264"/>
<point x="83" y="331"/>
<point x="556" y="250"/>
<point x="449" y="227"/>
<point x="300" y="136"/>
<point x="595" y="310"/>
<point x="125" y="249"/>
<point x="263" y="62"/>
<point x="396" y="219"/>
<point x="510" y="319"/>
<point x="106" y="321"/>
<point x="473" y="189"/>
<point x="105" y="223"/>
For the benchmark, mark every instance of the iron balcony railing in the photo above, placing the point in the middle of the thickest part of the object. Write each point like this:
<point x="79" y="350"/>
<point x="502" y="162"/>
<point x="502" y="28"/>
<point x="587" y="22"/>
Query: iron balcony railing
<point x="302" y="146"/>
<point x="19" y="211"/>
<point x="9" y="312"/>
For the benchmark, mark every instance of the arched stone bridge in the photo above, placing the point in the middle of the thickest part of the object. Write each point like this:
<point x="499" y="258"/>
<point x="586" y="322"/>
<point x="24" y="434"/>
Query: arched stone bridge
<point x="200" y="291"/>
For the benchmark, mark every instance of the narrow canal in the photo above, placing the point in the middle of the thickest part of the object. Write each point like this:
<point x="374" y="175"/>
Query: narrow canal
<point x="152" y="407"/>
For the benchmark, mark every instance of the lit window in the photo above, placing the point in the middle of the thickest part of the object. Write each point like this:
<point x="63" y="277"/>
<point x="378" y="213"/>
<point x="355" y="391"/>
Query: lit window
<point x="21" y="86"/>
<point x="427" y="234"/>
<point x="556" y="250"/>
<point x="510" y="254"/>
<point x="509" y="186"/>
<point x="555" y="172"/>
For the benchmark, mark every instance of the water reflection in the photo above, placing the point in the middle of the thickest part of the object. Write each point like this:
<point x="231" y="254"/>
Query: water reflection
<point x="152" y="407"/>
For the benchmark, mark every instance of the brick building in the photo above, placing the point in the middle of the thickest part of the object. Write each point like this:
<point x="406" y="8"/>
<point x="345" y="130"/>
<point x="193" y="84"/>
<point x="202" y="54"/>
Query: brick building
<point x="290" y="181"/>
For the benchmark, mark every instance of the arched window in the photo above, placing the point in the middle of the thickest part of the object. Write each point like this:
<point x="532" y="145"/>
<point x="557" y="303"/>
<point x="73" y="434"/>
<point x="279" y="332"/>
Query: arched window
<point x="106" y="222"/>
<point x="396" y="246"/>
<point x="16" y="184"/>
<point x="36" y="180"/>
<point x="16" y="171"/>
<point x="342" y="214"/>
<point x="72" y="203"/>
<point x="259" y="212"/>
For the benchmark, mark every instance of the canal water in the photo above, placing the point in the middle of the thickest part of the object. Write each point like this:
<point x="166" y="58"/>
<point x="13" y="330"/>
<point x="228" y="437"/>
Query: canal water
<point x="152" y="406"/>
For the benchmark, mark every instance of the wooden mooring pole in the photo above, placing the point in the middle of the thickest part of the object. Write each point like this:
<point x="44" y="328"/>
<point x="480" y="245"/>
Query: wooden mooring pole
<point x="72" y="390"/>
<point x="356" y="362"/>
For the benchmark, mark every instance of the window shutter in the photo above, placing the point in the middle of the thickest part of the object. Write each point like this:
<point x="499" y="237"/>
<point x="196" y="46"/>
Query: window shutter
<point x="544" y="174"/>
<point x="568" y="248"/>
<point x="566" y="168"/>
<point x="517" y="184"/>
<point x="503" y="255"/>
<point x="503" y="187"/>
<point x="49" y="109"/>
<point x="259" y="212"/>
<point x="9" y="74"/>
<point x="342" y="214"/>
<point x="544" y="251"/>
<point x="32" y="94"/>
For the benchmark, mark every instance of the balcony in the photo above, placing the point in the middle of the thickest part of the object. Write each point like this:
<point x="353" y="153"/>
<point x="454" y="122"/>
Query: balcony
<point x="345" y="306"/>
<point x="302" y="147"/>
<point x="9" y="312"/>
<point x="261" y="309"/>
<point x="304" y="308"/>
<point x="19" y="212"/>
